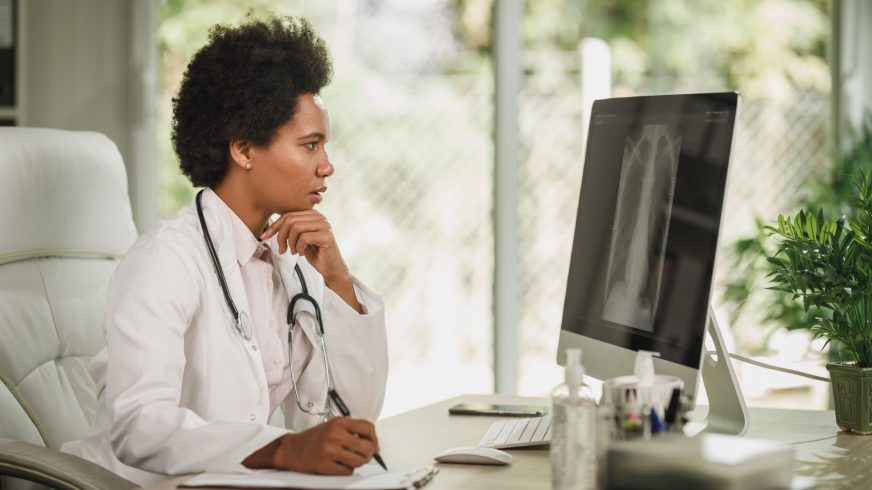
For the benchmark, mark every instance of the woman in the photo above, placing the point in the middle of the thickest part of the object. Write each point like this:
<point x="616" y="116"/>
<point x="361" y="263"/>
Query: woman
<point x="192" y="374"/>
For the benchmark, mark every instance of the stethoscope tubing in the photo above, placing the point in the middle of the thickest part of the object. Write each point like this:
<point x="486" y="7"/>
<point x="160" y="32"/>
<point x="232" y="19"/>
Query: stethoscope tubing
<point x="243" y="327"/>
<point x="304" y="295"/>
<point x="246" y="333"/>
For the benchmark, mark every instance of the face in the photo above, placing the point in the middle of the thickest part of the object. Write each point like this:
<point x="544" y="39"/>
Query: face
<point x="290" y="173"/>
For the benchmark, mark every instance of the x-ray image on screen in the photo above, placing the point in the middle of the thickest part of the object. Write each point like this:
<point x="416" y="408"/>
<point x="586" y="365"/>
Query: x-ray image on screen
<point x="643" y="210"/>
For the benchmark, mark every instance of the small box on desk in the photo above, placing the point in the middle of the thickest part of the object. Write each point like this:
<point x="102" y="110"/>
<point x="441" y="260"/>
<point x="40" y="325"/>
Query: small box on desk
<point x="710" y="461"/>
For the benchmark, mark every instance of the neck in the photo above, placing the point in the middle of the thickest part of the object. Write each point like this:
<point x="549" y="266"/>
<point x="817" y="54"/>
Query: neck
<point x="239" y="202"/>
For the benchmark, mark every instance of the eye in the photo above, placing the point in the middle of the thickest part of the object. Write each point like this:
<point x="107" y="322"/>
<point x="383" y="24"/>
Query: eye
<point x="311" y="145"/>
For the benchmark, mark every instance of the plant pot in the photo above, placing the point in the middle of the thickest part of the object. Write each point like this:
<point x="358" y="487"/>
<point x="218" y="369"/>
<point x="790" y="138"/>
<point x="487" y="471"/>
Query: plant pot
<point x="852" y="394"/>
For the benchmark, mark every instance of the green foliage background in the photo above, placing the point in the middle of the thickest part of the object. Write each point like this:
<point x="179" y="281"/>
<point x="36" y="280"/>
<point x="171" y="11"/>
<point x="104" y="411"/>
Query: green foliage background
<point x="837" y="196"/>
<point x="657" y="47"/>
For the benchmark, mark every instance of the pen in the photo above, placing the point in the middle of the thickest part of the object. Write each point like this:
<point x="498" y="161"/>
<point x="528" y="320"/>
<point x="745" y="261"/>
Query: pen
<point x="672" y="409"/>
<point x="344" y="411"/>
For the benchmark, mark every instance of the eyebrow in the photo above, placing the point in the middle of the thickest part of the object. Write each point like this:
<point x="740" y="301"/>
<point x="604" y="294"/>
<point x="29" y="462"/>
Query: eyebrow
<point x="318" y="136"/>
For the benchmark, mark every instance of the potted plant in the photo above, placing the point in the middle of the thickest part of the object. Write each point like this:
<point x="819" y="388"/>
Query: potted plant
<point x="827" y="265"/>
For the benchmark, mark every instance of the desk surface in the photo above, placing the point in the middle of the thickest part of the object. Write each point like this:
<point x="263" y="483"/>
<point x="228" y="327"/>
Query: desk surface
<point x="409" y="440"/>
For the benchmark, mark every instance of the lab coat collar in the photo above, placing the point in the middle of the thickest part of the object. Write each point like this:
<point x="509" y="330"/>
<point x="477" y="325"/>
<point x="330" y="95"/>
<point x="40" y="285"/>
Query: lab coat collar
<point x="244" y="242"/>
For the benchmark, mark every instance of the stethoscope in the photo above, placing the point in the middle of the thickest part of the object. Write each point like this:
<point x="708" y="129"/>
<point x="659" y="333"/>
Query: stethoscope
<point x="243" y="325"/>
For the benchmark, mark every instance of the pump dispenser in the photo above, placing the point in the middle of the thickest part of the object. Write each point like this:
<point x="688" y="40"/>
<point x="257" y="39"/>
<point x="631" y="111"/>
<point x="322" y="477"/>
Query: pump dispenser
<point x="573" y="431"/>
<point x="644" y="367"/>
<point x="574" y="371"/>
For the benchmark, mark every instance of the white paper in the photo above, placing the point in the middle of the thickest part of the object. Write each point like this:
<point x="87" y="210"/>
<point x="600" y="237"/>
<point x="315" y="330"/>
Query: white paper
<point x="367" y="477"/>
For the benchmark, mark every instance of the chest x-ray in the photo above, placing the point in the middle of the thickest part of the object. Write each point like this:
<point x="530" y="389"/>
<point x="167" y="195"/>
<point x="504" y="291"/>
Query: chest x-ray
<point x="634" y="273"/>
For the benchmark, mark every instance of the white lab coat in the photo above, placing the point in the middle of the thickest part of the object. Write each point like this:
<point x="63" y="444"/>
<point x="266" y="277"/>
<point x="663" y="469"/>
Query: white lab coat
<point x="184" y="392"/>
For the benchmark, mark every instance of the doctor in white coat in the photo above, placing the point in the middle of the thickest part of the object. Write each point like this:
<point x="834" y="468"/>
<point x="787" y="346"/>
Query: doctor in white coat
<point x="187" y="387"/>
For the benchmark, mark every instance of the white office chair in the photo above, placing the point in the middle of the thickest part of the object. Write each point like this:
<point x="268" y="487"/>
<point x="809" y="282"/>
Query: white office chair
<point x="65" y="222"/>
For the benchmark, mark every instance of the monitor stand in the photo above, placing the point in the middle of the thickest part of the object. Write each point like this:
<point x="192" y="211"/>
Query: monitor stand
<point x="727" y="413"/>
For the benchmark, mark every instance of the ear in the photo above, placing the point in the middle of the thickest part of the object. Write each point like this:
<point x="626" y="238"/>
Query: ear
<point x="240" y="153"/>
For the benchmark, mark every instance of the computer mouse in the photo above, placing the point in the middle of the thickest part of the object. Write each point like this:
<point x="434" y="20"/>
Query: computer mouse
<point x="474" y="455"/>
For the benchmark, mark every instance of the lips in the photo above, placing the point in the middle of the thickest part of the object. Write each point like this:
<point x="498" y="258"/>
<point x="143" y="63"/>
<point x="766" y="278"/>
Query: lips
<point x="315" y="196"/>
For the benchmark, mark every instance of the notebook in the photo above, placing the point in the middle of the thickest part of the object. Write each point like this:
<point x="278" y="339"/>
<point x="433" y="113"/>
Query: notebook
<point x="367" y="477"/>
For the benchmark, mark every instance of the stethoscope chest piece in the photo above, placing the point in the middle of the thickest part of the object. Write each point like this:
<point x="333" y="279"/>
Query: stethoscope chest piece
<point x="243" y="326"/>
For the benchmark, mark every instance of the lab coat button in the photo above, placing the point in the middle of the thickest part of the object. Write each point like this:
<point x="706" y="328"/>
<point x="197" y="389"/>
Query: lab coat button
<point x="275" y="363"/>
<point x="252" y="417"/>
<point x="253" y="347"/>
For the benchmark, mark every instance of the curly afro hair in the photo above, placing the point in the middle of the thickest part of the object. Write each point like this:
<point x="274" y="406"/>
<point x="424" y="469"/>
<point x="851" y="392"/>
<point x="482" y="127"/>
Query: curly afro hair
<point x="244" y="84"/>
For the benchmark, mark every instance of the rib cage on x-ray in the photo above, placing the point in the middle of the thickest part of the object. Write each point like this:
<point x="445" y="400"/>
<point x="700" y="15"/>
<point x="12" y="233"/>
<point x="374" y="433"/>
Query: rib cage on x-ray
<point x="644" y="206"/>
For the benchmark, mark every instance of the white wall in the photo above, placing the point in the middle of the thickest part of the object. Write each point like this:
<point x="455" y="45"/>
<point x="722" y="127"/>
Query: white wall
<point x="91" y="65"/>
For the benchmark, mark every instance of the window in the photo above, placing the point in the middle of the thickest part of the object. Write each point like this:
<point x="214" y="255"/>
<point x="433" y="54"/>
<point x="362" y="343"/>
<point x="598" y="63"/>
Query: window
<point x="412" y="112"/>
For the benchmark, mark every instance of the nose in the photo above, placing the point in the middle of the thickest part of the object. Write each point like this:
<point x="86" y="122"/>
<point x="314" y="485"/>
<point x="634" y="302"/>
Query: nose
<point x="325" y="168"/>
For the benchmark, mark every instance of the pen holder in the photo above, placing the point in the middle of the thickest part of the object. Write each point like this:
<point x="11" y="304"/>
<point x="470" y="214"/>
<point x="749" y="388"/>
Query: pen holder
<point x="631" y="410"/>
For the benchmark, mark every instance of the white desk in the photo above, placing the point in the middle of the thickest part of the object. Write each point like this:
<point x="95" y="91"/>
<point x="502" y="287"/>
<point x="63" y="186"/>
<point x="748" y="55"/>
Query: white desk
<point x="409" y="440"/>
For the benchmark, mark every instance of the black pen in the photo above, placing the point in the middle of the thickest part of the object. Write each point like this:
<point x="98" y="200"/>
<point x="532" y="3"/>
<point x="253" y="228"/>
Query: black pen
<point x="672" y="408"/>
<point x="344" y="411"/>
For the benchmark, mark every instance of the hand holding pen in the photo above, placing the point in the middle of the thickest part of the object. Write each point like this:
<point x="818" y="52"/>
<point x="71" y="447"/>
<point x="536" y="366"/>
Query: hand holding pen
<point x="335" y="447"/>
<point x="343" y="409"/>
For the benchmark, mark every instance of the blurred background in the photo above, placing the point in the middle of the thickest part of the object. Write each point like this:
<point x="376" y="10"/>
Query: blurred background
<point x="458" y="135"/>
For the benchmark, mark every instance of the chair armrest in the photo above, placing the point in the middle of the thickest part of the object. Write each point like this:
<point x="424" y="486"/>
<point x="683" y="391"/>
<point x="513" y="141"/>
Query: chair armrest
<point x="55" y="469"/>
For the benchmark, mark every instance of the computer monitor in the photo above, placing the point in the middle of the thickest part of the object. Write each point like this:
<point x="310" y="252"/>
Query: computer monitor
<point x="646" y="233"/>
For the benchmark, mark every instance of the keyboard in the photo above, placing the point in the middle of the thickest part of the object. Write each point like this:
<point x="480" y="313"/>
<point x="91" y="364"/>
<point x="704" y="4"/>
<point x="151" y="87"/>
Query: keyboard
<point x="535" y="431"/>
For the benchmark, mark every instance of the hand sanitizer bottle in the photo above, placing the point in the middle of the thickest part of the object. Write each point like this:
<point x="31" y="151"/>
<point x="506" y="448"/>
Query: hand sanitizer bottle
<point x="573" y="431"/>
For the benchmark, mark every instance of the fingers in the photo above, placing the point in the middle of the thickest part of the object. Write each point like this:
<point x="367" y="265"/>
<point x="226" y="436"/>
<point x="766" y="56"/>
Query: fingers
<point x="362" y="448"/>
<point x="290" y="231"/>
<point x="274" y="227"/>
<point x="297" y="231"/>
<point x="351" y="459"/>
<point x="355" y="439"/>
<point x="319" y="239"/>
<point x="335" y="447"/>
<point x="363" y="429"/>
<point x="299" y="235"/>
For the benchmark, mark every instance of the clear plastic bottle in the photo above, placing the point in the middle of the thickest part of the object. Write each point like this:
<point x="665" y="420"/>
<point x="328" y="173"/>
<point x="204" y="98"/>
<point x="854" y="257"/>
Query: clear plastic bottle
<point x="573" y="432"/>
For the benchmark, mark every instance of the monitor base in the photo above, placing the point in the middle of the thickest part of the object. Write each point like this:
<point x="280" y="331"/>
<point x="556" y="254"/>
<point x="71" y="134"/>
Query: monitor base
<point x="728" y="413"/>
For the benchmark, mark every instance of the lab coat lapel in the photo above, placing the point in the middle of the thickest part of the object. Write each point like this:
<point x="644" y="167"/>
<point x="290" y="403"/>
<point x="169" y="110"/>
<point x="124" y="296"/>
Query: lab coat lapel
<point x="233" y="275"/>
<point x="220" y="230"/>
<point x="227" y="256"/>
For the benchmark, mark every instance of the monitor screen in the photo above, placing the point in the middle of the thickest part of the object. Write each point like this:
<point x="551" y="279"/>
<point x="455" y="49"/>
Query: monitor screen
<point x="648" y="220"/>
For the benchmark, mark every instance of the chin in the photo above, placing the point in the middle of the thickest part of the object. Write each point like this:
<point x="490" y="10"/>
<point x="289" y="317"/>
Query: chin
<point x="298" y="206"/>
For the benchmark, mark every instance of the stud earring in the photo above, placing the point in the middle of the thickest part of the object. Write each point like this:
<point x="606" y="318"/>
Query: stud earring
<point x="247" y="166"/>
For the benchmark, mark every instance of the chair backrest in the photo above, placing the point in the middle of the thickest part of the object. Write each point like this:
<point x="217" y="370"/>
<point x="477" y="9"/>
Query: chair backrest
<point x="65" y="222"/>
